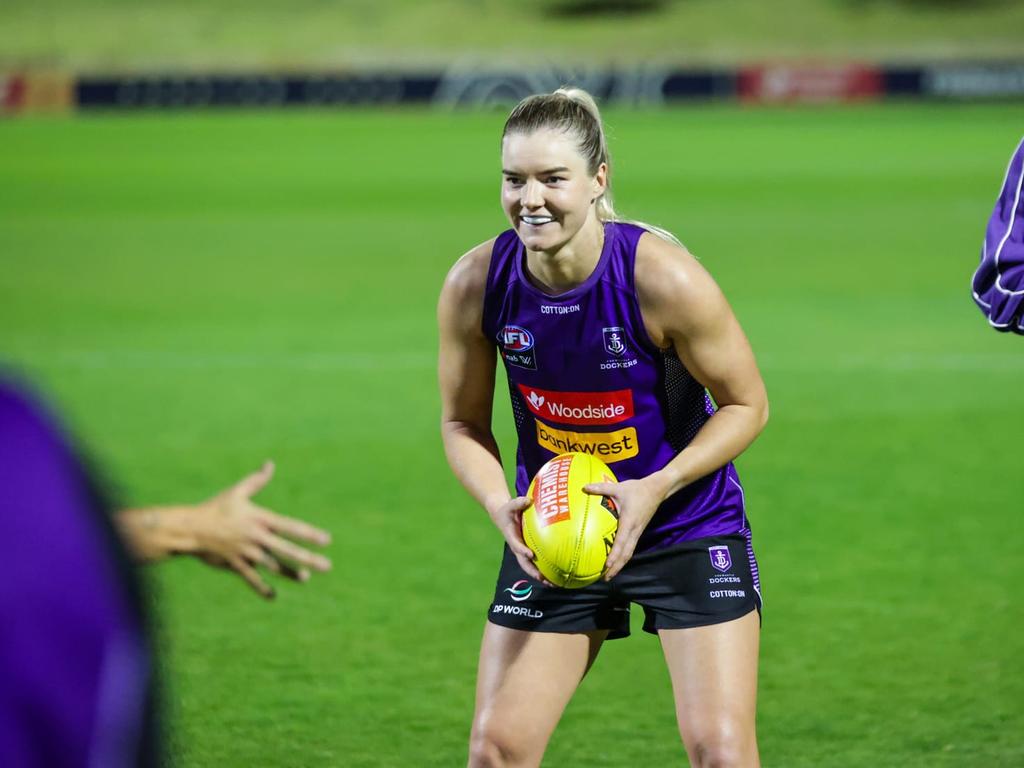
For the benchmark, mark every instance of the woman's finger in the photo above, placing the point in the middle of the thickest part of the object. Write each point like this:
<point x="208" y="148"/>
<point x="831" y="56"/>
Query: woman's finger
<point x="283" y="548"/>
<point x="252" y="578"/>
<point x="601" y="489"/>
<point x="297" y="529"/>
<point x="528" y="566"/>
<point x="620" y="554"/>
<point x="252" y="484"/>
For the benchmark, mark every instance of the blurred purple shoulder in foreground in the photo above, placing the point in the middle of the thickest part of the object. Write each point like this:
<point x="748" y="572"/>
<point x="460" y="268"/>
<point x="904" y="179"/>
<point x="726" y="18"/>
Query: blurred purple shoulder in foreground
<point x="998" y="284"/>
<point x="75" y="668"/>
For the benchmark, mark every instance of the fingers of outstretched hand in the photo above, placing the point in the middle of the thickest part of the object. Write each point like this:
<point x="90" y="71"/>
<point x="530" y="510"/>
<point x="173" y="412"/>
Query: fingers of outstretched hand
<point x="252" y="484"/>
<point x="283" y="548"/>
<point x="252" y="577"/>
<point x="274" y="565"/>
<point x="297" y="529"/>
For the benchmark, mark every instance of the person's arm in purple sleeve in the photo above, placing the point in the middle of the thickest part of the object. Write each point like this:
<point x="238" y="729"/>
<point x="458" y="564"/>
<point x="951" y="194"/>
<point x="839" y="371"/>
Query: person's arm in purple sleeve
<point x="998" y="284"/>
<point x="227" y="531"/>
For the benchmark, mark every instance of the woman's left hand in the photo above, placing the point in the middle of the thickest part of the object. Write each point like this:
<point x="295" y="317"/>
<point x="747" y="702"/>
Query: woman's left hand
<point x="637" y="501"/>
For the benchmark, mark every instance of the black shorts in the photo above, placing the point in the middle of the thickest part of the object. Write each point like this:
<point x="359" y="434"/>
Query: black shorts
<point x="699" y="582"/>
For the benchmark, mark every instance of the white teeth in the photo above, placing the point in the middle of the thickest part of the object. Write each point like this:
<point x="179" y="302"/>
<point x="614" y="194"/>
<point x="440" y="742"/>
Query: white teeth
<point x="535" y="220"/>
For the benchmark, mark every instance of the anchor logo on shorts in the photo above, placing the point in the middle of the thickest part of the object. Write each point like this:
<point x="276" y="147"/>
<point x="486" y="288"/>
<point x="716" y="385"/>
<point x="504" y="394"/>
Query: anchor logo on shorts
<point x="721" y="560"/>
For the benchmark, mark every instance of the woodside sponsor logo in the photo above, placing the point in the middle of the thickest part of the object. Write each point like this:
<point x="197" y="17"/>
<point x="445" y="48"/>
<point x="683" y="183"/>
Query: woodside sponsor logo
<point x="579" y="407"/>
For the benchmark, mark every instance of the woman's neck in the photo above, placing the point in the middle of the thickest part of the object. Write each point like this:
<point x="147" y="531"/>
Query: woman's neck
<point x="562" y="270"/>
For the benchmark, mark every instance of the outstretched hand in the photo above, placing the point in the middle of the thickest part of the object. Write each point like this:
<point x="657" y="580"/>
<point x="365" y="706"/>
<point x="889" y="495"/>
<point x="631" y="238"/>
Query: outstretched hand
<point x="637" y="502"/>
<point x="238" y="535"/>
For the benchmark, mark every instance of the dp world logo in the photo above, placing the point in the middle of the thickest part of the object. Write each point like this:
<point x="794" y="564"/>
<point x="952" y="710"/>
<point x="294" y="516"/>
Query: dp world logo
<point x="516" y="338"/>
<point x="521" y="590"/>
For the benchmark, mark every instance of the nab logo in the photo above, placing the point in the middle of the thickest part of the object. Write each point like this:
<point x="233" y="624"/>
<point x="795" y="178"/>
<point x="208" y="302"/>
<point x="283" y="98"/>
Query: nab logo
<point x="517" y="347"/>
<point x="516" y="339"/>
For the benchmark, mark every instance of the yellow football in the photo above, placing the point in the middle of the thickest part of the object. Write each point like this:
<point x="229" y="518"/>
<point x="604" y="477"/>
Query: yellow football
<point x="570" y="532"/>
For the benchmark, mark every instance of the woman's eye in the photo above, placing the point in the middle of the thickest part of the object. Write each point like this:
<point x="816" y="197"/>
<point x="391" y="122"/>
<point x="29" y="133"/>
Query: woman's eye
<point x="554" y="179"/>
<point x="515" y="182"/>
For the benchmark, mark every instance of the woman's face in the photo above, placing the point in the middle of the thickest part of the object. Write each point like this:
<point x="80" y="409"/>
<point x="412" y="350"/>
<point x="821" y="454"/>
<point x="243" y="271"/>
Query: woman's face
<point x="546" y="191"/>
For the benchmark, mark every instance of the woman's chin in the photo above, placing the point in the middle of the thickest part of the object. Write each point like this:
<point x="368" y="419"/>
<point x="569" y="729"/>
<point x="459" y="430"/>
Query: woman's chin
<point x="536" y="238"/>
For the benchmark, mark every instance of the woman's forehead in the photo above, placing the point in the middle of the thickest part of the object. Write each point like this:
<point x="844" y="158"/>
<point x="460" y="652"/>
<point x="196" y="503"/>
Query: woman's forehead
<point x="542" y="149"/>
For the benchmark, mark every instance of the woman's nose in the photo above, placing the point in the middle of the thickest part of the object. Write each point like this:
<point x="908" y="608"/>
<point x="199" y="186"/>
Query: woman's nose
<point x="532" y="195"/>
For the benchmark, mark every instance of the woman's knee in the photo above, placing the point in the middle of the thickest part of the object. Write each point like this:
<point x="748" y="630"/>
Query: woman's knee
<point x="720" y="745"/>
<point x="492" y="746"/>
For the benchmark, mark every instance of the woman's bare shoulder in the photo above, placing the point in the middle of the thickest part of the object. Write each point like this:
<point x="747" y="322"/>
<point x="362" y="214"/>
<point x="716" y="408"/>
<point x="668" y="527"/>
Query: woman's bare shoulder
<point x="673" y="288"/>
<point x="468" y="276"/>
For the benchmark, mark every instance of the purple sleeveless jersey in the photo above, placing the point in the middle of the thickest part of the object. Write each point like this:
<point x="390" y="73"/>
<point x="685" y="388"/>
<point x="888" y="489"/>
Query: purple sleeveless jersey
<point x="998" y="284"/>
<point x="584" y="376"/>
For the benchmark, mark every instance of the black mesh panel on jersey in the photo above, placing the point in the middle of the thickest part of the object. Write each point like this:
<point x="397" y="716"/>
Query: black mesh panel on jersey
<point x="687" y="402"/>
<point x="518" y="406"/>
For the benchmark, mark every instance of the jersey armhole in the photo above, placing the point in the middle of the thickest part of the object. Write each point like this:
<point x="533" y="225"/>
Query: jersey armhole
<point x="642" y="332"/>
<point x="497" y="266"/>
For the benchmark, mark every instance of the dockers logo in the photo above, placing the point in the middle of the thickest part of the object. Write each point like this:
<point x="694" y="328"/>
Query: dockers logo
<point x="521" y="590"/>
<point x="616" y="346"/>
<point x="721" y="560"/>
<point x="614" y="341"/>
<point x="517" y="347"/>
<point x="609" y="446"/>
<point x="579" y="407"/>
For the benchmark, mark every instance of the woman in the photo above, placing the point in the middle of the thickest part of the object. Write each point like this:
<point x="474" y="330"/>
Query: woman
<point x="586" y="309"/>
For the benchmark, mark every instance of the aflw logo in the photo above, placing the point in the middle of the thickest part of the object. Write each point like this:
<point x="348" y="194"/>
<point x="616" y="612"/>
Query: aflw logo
<point x="579" y="407"/>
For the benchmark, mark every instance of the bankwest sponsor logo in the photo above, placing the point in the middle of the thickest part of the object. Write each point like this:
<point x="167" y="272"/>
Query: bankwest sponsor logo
<point x="579" y="407"/>
<point x="551" y="493"/>
<point x="608" y="446"/>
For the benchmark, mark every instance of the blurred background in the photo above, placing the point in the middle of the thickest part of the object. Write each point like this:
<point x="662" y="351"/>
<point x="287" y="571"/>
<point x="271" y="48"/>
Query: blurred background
<point x="223" y="228"/>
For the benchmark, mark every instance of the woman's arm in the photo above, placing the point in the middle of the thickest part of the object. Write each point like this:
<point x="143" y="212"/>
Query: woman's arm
<point x="684" y="310"/>
<point x="466" y="364"/>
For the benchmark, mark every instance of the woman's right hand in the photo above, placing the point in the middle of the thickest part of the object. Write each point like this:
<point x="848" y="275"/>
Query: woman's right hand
<point x="509" y="519"/>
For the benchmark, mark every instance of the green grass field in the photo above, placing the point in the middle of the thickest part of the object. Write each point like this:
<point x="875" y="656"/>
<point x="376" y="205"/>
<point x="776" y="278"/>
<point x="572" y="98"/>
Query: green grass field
<point x="199" y="292"/>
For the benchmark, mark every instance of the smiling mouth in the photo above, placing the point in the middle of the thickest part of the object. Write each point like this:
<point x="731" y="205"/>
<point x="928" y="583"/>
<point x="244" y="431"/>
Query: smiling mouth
<point x="536" y="221"/>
